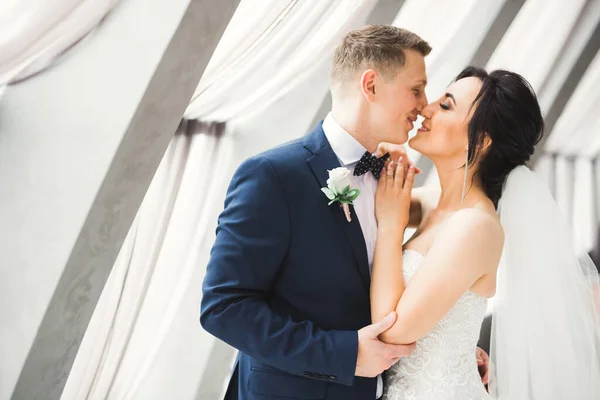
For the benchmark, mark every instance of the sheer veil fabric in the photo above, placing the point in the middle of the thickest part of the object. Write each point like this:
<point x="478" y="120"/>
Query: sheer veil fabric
<point x="545" y="328"/>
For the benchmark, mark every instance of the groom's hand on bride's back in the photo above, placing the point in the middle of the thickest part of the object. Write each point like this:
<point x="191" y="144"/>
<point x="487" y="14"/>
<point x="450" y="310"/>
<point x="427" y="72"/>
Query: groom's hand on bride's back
<point x="375" y="356"/>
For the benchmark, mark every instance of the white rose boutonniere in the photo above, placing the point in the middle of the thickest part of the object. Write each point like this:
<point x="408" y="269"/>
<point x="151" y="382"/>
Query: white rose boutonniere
<point x="338" y="190"/>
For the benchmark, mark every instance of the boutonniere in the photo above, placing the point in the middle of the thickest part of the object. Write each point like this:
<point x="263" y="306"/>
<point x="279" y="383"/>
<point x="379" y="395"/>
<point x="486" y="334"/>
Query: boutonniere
<point x="338" y="190"/>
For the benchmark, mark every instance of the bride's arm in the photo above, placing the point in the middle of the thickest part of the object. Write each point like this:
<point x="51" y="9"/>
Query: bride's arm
<point x="469" y="247"/>
<point x="391" y="209"/>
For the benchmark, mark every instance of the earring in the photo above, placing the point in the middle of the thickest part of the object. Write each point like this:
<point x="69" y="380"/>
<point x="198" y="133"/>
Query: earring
<point x="465" y="178"/>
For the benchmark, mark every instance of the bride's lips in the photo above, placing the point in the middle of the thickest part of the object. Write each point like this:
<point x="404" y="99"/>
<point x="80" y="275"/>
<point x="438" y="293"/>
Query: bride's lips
<point x="423" y="129"/>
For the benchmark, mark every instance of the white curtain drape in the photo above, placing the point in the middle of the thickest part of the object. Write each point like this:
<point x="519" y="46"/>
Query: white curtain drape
<point x="576" y="131"/>
<point x="268" y="54"/>
<point x="162" y="254"/>
<point x="584" y="221"/>
<point x="575" y="136"/>
<point x="564" y="174"/>
<point x="535" y="39"/>
<point x="153" y="293"/>
<point x="33" y="33"/>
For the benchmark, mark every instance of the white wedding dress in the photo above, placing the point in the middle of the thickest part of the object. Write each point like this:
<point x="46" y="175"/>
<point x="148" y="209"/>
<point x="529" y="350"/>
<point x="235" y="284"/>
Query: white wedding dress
<point x="443" y="366"/>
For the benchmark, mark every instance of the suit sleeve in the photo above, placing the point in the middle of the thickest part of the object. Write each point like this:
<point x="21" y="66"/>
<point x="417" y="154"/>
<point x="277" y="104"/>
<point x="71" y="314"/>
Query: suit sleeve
<point x="253" y="237"/>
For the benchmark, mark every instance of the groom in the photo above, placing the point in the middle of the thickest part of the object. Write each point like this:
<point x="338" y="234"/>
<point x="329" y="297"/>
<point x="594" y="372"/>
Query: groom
<point x="288" y="278"/>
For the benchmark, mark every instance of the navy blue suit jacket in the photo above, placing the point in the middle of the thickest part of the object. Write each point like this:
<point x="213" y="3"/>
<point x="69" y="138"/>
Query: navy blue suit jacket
<point x="288" y="279"/>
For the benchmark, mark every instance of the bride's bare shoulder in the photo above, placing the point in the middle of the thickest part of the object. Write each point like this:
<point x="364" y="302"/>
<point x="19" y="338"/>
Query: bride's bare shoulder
<point x="477" y="225"/>
<point x="473" y="237"/>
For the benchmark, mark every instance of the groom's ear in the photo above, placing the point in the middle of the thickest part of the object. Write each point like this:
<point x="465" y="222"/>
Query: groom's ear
<point x="367" y="84"/>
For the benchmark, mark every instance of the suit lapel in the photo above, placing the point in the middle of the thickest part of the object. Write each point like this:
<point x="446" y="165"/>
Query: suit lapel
<point x="322" y="160"/>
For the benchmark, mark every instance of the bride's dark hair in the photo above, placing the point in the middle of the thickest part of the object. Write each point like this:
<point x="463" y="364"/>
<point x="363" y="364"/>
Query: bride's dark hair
<point x="507" y="111"/>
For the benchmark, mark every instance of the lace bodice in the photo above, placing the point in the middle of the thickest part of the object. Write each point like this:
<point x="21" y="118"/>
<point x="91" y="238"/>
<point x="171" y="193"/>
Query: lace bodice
<point x="443" y="365"/>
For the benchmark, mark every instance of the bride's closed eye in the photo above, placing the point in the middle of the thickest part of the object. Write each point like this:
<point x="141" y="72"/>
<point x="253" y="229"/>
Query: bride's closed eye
<point x="444" y="106"/>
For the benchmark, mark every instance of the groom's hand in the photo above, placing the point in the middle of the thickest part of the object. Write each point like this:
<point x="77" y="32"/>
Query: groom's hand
<point x="396" y="151"/>
<point x="375" y="356"/>
<point x="483" y="364"/>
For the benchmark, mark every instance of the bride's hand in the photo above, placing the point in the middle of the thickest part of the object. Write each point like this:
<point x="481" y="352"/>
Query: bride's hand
<point x="392" y="200"/>
<point x="396" y="152"/>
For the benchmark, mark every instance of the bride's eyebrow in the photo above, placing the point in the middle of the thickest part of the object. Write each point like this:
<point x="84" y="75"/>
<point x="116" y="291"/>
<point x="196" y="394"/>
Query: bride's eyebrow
<point x="452" y="97"/>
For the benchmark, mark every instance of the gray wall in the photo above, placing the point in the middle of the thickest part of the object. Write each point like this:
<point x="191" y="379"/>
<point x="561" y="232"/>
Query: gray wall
<point x="79" y="145"/>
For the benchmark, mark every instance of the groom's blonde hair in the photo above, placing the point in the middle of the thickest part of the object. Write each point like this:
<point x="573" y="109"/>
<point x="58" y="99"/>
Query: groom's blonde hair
<point x="380" y="47"/>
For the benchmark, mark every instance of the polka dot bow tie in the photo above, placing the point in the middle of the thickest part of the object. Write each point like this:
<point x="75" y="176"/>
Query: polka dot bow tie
<point x="369" y="162"/>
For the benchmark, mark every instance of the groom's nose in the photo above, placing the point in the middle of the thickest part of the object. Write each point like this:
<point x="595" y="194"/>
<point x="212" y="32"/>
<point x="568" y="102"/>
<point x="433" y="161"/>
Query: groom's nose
<point x="422" y="103"/>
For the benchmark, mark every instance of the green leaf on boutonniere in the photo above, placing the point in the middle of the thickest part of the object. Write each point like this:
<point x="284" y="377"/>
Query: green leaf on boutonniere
<point x="345" y="190"/>
<point x="330" y="195"/>
<point x="353" y="194"/>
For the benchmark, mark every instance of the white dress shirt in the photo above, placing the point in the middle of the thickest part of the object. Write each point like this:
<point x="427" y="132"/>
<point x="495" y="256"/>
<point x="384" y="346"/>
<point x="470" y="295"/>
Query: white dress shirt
<point x="349" y="151"/>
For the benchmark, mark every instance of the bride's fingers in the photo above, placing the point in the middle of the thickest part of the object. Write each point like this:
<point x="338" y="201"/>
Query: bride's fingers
<point x="405" y="163"/>
<point x="417" y="169"/>
<point x="390" y="175"/>
<point x="382" y="179"/>
<point x="399" y="180"/>
<point x="410" y="179"/>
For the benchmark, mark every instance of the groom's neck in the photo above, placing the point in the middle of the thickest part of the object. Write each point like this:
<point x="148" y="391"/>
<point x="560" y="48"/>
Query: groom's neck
<point x="352" y="123"/>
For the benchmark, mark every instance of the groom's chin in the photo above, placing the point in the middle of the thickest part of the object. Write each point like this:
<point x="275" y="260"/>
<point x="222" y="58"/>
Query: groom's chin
<point x="401" y="138"/>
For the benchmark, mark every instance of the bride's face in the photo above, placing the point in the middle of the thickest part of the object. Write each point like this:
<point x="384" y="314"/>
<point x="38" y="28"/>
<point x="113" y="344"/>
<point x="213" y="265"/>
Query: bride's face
<point x="444" y="132"/>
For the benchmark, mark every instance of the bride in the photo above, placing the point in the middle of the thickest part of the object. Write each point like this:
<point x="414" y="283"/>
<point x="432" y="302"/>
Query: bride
<point x="492" y="231"/>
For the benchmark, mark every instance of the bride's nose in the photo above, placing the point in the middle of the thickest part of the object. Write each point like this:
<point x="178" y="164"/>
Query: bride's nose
<point x="427" y="111"/>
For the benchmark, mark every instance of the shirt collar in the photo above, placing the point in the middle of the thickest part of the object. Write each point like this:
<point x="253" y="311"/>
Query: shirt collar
<point x="347" y="149"/>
